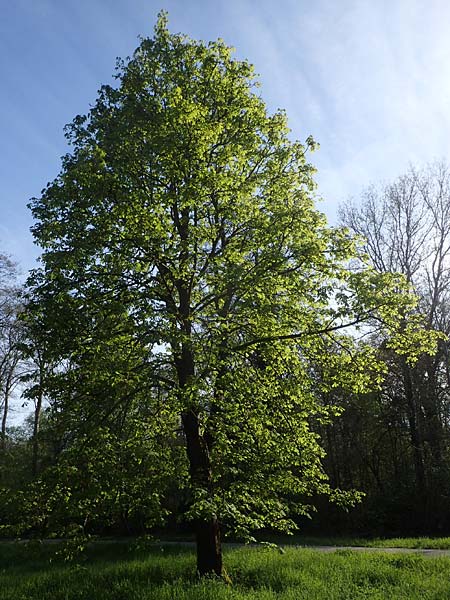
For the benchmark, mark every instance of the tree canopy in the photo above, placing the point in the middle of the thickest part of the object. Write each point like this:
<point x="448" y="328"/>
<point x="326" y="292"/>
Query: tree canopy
<point x="188" y="280"/>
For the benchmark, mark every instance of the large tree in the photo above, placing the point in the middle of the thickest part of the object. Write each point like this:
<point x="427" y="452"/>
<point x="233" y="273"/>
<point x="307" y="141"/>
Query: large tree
<point x="184" y="261"/>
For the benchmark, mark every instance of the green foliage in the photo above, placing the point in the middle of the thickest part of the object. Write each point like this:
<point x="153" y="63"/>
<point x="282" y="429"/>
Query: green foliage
<point x="15" y="459"/>
<point x="109" y="479"/>
<point x="187" y="275"/>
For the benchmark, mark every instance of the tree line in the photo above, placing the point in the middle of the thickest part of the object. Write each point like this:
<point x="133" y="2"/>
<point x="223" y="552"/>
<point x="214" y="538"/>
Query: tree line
<point x="200" y="346"/>
<point x="394" y="442"/>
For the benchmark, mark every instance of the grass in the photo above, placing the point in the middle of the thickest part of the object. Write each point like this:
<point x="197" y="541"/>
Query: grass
<point x="438" y="543"/>
<point x="442" y="543"/>
<point x="117" y="572"/>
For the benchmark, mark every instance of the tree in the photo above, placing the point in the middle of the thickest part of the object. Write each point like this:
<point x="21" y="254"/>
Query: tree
<point x="10" y="334"/>
<point x="406" y="228"/>
<point x="183" y="261"/>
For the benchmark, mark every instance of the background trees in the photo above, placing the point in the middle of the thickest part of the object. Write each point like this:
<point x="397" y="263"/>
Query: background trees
<point x="10" y="334"/>
<point x="406" y="229"/>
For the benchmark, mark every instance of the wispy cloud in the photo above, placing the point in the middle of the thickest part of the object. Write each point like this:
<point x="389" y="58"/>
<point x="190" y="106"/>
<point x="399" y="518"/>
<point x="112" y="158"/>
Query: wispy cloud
<point x="370" y="80"/>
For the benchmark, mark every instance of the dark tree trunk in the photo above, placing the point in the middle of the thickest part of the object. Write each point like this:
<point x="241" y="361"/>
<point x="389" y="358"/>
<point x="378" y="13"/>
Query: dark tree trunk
<point x="209" y="551"/>
<point x="209" y="547"/>
<point x="8" y="385"/>
<point x="207" y="532"/>
<point x="37" y="416"/>
<point x="4" y="419"/>
<point x="416" y="442"/>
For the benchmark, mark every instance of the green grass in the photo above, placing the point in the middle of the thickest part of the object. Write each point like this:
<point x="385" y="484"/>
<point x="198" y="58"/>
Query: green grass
<point x="442" y="543"/>
<point x="113" y="572"/>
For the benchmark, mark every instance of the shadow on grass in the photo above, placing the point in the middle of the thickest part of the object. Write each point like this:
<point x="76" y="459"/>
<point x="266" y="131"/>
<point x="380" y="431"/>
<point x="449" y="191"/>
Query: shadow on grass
<point x="112" y="570"/>
<point x="123" y="572"/>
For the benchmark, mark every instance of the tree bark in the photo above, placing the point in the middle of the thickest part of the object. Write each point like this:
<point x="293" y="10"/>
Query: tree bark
<point x="209" y="547"/>
<point x="37" y="415"/>
<point x="4" y="419"/>
<point x="8" y="385"/>
<point x="207" y="531"/>
<point x="416" y="441"/>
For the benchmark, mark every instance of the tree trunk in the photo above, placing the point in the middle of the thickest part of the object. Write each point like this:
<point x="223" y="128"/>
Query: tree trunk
<point x="416" y="442"/>
<point x="37" y="415"/>
<point x="209" y="547"/>
<point x="6" y="408"/>
<point x="4" y="419"/>
<point x="209" y="551"/>
<point x="207" y="531"/>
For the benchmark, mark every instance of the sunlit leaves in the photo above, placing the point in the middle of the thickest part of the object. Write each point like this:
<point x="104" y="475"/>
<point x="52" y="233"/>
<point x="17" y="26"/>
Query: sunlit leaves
<point x="182" y="243"/>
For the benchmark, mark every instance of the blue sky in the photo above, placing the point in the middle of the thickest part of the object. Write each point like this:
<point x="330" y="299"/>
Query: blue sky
<point x="370" y="80"/>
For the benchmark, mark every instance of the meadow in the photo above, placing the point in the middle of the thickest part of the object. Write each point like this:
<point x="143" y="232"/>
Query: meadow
<point x="413" y="543"/>
<point x="129" y="572"/>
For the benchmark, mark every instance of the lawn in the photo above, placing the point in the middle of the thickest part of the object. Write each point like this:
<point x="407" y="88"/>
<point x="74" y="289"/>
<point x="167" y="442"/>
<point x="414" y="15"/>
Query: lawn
<point x="119" y="572"/>
<point x="441" y="543"/>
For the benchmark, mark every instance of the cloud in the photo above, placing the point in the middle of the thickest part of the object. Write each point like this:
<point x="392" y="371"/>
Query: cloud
<point x="369" y="80"/>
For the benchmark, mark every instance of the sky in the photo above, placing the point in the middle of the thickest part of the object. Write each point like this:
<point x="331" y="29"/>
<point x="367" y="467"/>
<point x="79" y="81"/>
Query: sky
<point x="368" y="79"/>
